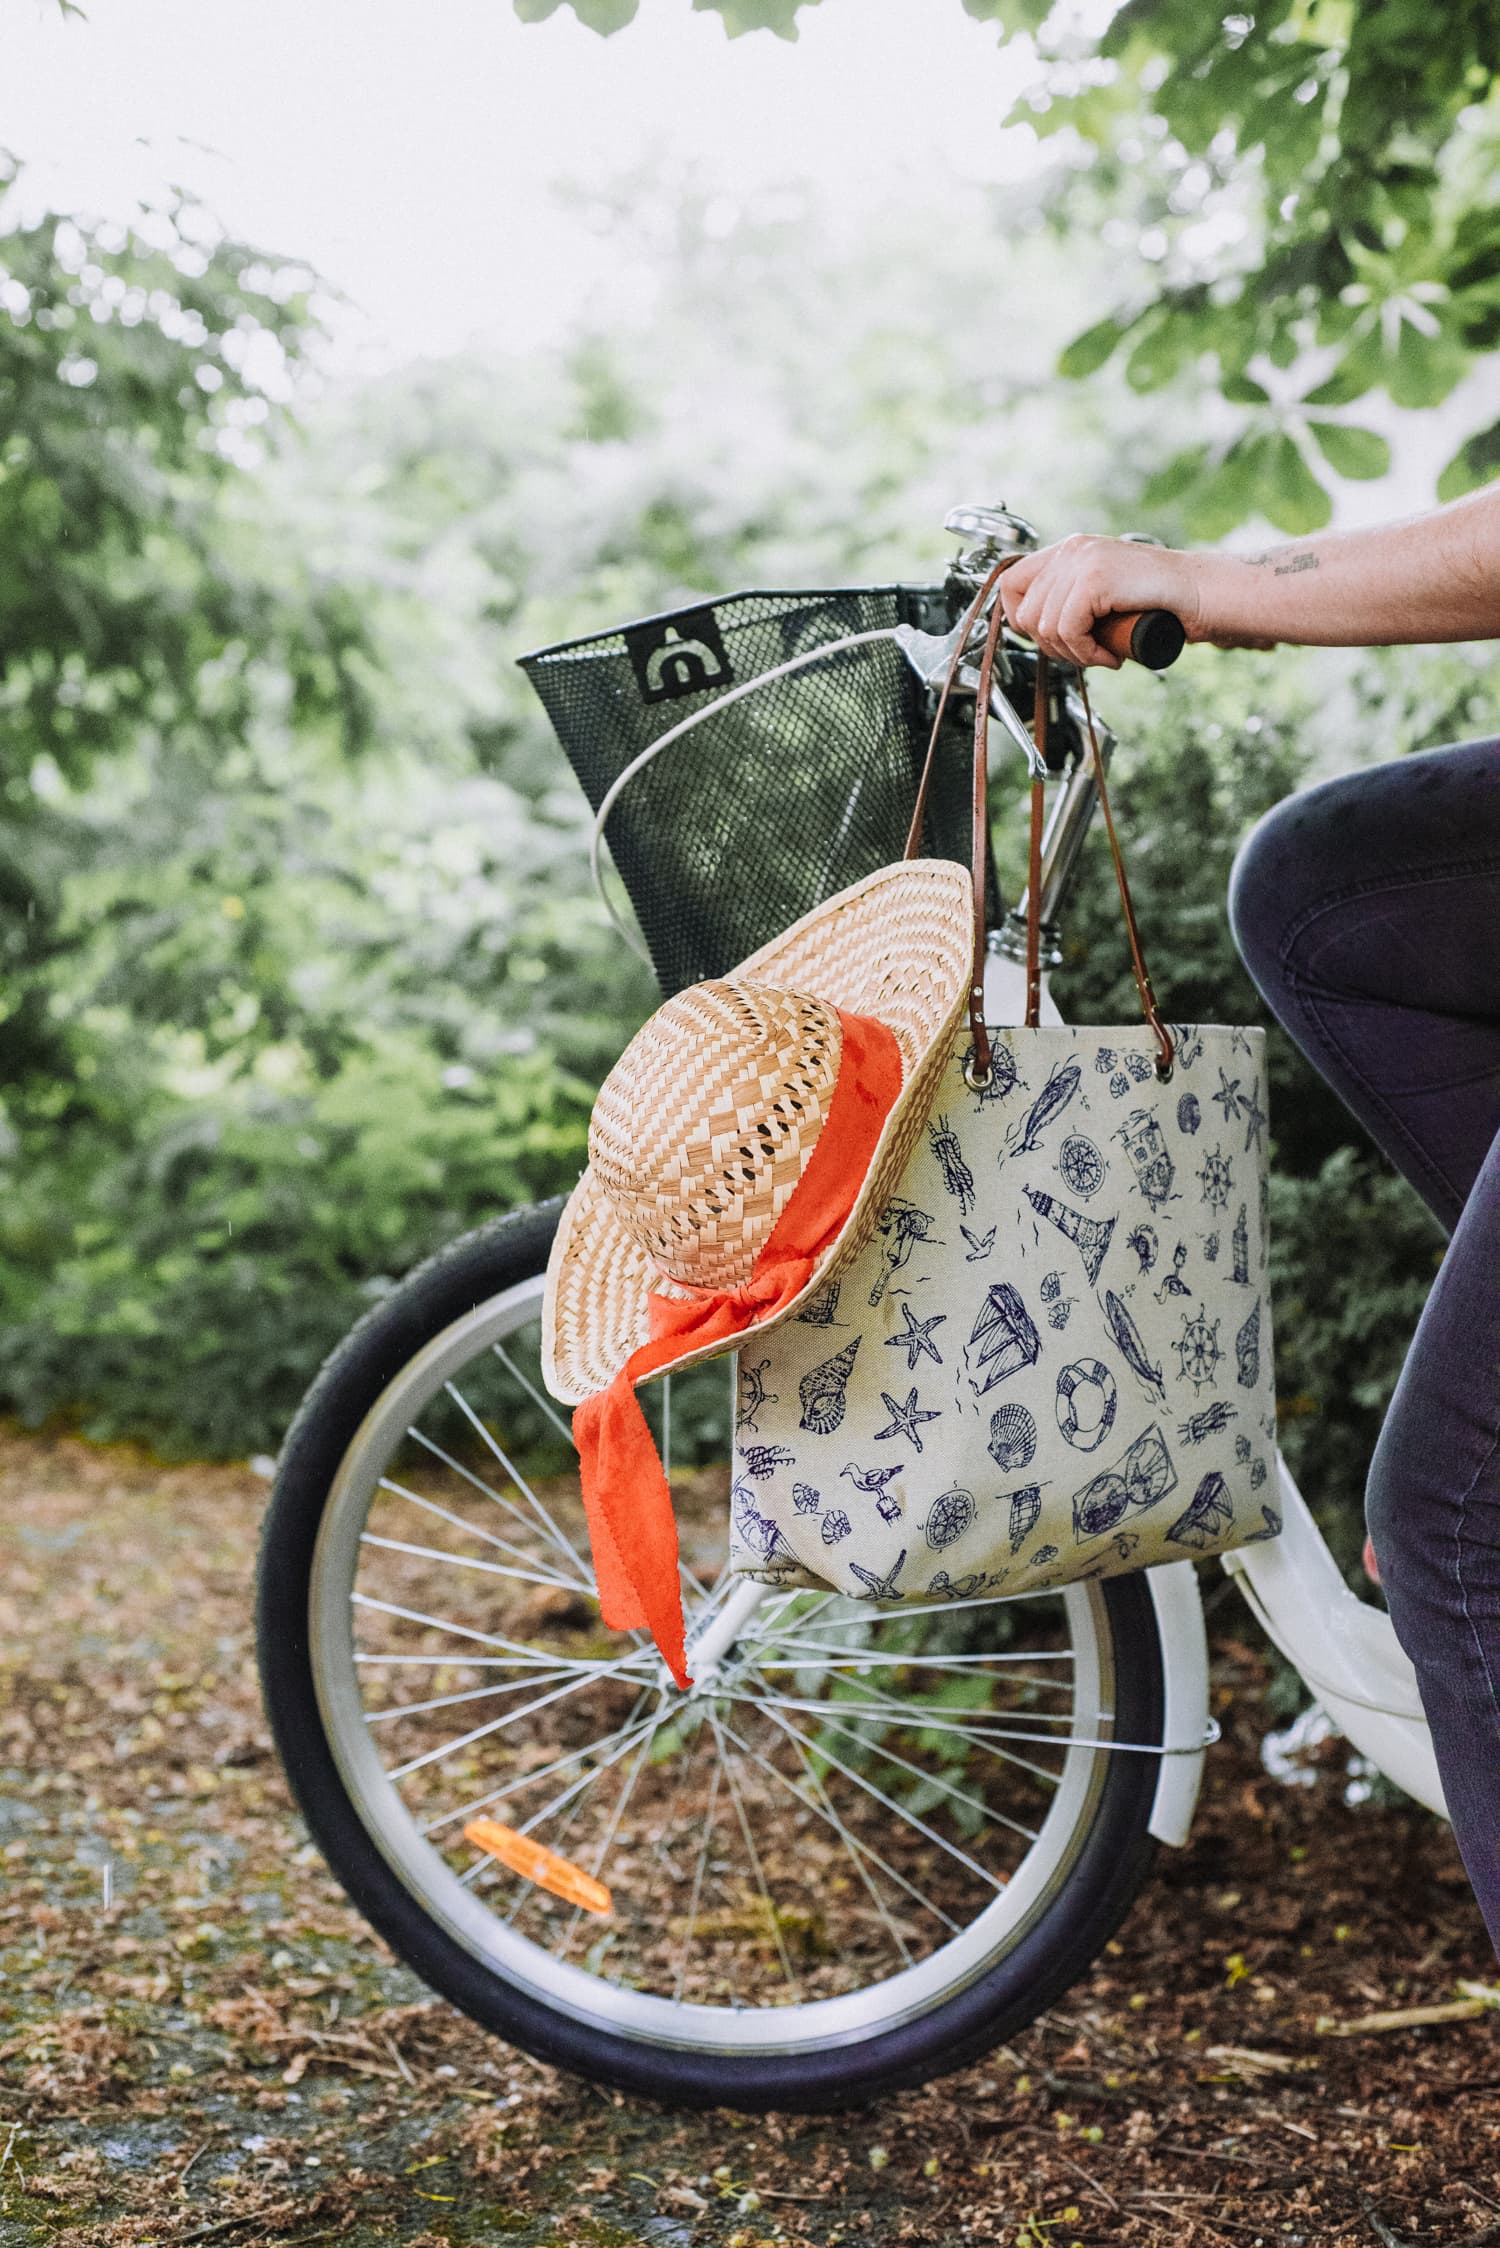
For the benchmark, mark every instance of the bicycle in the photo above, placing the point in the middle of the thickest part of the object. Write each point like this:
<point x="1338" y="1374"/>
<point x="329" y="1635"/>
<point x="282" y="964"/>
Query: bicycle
<point x="870" y="1844"/>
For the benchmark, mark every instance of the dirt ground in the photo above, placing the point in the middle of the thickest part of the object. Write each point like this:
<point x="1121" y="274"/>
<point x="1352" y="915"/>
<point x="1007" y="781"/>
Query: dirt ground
<point x="200" y="2041"/>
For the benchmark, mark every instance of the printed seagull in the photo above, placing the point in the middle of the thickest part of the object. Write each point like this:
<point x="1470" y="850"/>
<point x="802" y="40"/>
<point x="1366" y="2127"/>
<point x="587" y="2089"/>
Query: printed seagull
<point x="905" y="1419"/>
<point x="917" y="1340"/>
<point x="980" y="1244"/>
<point x="870" y="1478"/>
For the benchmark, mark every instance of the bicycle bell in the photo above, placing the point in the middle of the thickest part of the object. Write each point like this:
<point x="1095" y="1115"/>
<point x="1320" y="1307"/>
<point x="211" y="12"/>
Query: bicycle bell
<point x="990" y="533"/>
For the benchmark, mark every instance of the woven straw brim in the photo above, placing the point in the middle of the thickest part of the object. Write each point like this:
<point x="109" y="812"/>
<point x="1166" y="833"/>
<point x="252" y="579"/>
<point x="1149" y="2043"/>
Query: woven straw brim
<point x="898" y="946"/>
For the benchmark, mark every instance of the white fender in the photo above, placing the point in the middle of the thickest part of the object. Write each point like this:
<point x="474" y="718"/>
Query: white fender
<point x="1187" y="1727"/>
<point x="1346" y="1649"/>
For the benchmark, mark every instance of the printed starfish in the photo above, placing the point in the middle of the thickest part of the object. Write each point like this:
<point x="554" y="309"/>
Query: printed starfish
<point x="1228" y="1096"/>
<point x="882" y="1588"/>
<point x="980" y="1244"/>
<point x="1254" y="1115"/>
<point x="905" y="1419"/>
<point x="917" y="1339"/>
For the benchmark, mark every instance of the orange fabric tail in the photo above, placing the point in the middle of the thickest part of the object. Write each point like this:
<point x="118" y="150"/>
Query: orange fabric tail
<point x="632" y="1529"/>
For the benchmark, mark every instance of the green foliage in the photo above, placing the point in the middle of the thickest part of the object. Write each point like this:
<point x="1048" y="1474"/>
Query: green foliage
<point x="301" y="976"/>
<point x="1313" y="192"/>
<point x="603" y="16"/>
<point x="1476" y="462"/>
<point x="739" y="16"/>
<point x="1310" y="186"/>
<point x="291" y="989"/>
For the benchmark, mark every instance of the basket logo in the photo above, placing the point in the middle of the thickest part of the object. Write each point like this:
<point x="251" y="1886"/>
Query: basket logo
<point x="680" y="655"/>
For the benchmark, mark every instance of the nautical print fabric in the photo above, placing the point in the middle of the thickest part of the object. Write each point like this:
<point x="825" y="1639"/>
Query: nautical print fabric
<point x="1053" y="1360"/>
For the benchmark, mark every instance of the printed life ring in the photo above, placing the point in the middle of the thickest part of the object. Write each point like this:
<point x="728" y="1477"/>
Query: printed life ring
<point x="1086" y="1403"/>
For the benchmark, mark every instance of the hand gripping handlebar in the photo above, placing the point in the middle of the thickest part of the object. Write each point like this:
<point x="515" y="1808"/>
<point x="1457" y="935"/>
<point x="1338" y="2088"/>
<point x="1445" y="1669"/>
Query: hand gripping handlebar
<point x="1153" y="637"/>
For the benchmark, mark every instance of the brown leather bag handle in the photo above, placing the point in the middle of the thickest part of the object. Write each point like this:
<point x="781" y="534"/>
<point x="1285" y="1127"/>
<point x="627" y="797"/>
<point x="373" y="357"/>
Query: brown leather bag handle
<point x="1165" y="1046"/>
<point x="978" y="1071"/>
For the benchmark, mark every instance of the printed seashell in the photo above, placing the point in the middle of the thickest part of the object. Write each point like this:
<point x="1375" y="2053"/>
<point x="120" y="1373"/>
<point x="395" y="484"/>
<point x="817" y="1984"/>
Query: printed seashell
<point x="824" y="1392"/>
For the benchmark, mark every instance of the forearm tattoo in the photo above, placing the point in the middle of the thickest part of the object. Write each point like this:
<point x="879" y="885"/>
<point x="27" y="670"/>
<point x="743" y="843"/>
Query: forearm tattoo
<point x="1282" y="564"/>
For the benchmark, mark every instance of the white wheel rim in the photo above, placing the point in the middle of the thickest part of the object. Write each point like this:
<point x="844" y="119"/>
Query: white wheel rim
<point x="477" y="1912"/>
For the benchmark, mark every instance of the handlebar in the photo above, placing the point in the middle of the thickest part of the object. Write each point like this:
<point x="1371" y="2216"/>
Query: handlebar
<point x="1152" y="637"/>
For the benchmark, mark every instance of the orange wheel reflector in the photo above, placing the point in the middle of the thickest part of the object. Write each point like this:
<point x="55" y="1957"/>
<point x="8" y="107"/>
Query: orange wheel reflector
<point x="544" y="1867"/>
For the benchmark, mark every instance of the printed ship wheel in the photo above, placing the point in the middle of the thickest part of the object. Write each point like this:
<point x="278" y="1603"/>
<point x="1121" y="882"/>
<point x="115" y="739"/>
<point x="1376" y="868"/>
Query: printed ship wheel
<point x="884" y="1842"/>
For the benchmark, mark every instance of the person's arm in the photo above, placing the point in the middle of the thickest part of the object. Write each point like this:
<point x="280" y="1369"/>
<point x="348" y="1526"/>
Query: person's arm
<point x="1432" y="577"/>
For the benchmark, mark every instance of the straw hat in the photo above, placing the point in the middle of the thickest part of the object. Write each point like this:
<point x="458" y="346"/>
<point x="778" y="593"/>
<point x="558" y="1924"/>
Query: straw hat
<point x="705" y="1125"/>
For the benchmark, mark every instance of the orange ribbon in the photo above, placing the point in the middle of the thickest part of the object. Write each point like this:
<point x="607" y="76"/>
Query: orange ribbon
<point x="632" y="1528"/>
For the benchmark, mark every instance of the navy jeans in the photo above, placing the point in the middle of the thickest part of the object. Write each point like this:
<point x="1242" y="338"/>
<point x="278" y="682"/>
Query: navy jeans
<point x="1368" y="912"/>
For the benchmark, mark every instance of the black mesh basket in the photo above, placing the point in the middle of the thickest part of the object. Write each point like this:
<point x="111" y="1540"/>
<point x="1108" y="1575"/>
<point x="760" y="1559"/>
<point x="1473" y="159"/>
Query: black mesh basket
<point x="776" y="802"/>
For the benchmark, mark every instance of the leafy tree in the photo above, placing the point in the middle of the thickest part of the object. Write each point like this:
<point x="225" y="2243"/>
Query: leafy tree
<point x="281" y="999"/>
<point x="1309" y="186"/>
<point x="312" y="979"/>
<point x="136" y="369"/>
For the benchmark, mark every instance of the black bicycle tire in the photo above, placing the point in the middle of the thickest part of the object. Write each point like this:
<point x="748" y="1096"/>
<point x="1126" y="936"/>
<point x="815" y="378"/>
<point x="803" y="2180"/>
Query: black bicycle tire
<point x="1066" y="1938"/>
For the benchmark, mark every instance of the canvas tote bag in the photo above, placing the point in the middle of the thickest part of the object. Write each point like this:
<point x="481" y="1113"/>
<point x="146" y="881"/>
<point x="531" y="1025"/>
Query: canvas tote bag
<point x="1053" y="1359"/>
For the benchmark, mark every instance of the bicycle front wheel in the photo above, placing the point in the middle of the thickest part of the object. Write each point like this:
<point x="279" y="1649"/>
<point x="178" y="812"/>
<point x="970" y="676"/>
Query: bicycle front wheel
<point x="875" y="1843"/>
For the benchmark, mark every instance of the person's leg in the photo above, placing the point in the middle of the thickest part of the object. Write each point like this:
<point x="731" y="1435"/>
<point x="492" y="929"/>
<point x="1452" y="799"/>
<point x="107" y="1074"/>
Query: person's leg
<point x="1433" y="1508"/>
<point x="1368" y="912"/>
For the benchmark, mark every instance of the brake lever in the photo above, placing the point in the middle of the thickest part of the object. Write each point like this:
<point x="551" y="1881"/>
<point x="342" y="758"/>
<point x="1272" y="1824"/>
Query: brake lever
<point x="931" y="653"/>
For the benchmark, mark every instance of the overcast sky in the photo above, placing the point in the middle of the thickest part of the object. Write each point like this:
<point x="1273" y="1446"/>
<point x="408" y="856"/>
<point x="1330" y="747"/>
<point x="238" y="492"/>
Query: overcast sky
<point x="412" y="150"/>
<point x="406" y="147"/>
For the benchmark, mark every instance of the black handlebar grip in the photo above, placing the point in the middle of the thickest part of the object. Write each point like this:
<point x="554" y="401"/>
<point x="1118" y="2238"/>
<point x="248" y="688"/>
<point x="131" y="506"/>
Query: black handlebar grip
<point x="1152" y="637"/>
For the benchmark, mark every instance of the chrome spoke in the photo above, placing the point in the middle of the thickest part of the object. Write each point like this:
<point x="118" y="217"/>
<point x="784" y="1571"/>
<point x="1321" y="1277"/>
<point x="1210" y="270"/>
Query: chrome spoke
<point x="889" y="1802"/>
<point x="914" y="1718"/>
<point x="929" y="1779"/>
<point x="467" y="1561"/>
<point x="851" y="1841"/>
<point x="902" y="1611"/>
<point x="624" y="1734"/>
<point x="560" y="1545"/>
<point x="698" y="1870"/>
<point x="571" y="1794"/>
<point x="438" y="1623"/>
<point x="496" y="1725"/>
<point x="571" y="1800"/>
<point x="772" y="1915"/>
<point x="467" y="1661"/>
<point x="558" y="1536"/>
<point x="470" y="1694"/>
<point x="767" y="1879"/>
<point x="606" y="1840"/>
<point x="475" y="1530"/>
<point x="630" y="1735"/>
<point x="538" y="1397"/>
<point x="860" y="1658"/>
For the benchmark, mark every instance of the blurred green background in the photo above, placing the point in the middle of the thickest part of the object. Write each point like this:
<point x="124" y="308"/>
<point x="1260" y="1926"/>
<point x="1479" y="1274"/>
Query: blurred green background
<point x="300" y="974"/>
